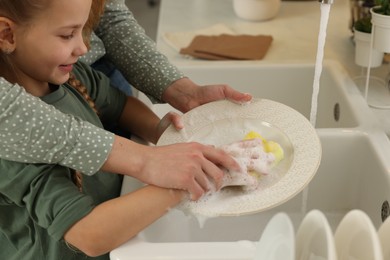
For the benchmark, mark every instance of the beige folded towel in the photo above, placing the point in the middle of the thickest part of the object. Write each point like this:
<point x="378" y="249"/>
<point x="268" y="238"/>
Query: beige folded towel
<point x="225" y="47"/>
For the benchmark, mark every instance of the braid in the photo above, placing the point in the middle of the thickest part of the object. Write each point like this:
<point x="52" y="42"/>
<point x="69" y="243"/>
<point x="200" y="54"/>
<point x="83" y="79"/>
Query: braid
<point x="75" y="83"/>
<point x="77" y="177"/>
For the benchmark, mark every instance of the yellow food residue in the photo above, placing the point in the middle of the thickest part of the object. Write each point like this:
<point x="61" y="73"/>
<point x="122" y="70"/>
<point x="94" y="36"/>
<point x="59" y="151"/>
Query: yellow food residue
<point x="269" y="146"/>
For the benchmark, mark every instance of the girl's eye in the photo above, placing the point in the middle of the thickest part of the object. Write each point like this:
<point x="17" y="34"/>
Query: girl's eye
<point x="67" y="37"/>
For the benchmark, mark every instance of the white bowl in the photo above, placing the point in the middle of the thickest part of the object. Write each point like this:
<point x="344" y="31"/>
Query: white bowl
<point x="256" y="10"/>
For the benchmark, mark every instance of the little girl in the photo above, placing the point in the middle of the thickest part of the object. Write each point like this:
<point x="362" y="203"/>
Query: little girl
<point x="49" y="211"/>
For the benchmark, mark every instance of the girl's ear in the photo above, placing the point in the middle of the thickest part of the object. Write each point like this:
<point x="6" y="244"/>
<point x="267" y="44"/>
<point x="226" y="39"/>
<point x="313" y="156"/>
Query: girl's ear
<point x="7" y="36"/>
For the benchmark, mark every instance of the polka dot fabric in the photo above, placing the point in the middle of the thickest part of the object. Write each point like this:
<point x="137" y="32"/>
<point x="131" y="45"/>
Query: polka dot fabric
<point x="96" y="52"/>
<point x="133" y="52"/>
<point x="33" y="132"/>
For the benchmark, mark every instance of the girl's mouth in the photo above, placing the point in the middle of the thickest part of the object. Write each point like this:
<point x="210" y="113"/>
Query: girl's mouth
<point x="66" y="68"/>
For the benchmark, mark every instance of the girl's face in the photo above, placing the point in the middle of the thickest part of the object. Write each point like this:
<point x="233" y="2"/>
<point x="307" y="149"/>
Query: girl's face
<point x="47" y="48"/>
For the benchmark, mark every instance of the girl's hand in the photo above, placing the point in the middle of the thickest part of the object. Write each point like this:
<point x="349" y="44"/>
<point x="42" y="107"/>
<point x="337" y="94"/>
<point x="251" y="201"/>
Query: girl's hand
<point x="170" y="118"/>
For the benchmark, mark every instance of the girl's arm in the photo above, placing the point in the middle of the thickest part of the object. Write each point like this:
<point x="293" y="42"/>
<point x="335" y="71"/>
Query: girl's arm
<point x="116" y="221"/>
<point x="140" y="120"/>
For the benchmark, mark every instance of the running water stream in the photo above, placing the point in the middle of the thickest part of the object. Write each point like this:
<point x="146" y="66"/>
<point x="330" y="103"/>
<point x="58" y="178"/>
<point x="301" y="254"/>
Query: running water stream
<point x="325" y="10"/>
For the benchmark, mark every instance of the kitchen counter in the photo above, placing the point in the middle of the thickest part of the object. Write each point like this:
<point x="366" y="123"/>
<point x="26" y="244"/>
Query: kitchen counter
<point x="295" y="32"/>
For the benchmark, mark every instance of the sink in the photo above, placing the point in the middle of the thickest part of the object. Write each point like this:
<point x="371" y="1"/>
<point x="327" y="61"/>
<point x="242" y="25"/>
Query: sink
<point x="340" y="104"/>
<point x="353" y="174"/>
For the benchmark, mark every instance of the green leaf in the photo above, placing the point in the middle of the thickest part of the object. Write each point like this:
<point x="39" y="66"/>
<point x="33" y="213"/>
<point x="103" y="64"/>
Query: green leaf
<point x="363" y="25"/>
<point x="384" y="7"/>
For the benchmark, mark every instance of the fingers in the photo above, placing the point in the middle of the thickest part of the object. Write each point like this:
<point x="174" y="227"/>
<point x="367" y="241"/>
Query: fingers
<point x="215" y="158"/>
<point x="213" y="173"/>
<point x="236" y="96"/>
<point x="208" y="177"/>
<point x="197" y="184"/>
<point x="202" y="184"/>
<point x="175" y="118"/>
<point x="171" y="118"/>
<point x="196" y="191"/>
<point x="206" y="174"/>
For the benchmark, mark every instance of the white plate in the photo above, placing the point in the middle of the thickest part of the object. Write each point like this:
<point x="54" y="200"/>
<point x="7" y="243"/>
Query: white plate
<point x="314" y="239"/>
<point x="224" y="122"/>
<point x="384" y="238"/>
<point x="356" y="238"/>
<point x="277" y="240"/>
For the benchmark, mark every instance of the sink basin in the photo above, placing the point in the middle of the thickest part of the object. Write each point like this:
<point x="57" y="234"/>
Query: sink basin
<point x="340" y="104"/>
<point x="353" y="174"/>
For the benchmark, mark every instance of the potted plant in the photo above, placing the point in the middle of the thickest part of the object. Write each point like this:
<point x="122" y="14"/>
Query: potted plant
<point x="362" y="31"/>
<point x="380" y="19"/>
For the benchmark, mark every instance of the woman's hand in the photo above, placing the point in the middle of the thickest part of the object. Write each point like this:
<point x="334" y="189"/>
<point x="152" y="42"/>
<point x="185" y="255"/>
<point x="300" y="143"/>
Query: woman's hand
<point x="193" y="167"/>
<point x="185" y="166"/>
<point x="185" y="95"/>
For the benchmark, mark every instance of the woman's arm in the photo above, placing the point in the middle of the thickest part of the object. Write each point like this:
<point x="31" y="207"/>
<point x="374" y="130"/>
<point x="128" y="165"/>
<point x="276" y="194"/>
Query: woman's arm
<point x="133" y="52"/>
<point x="116" y="221"/>
<point x="185" y="166"/>
<point x="136" y="56"/>
<point x="34" y="132"/>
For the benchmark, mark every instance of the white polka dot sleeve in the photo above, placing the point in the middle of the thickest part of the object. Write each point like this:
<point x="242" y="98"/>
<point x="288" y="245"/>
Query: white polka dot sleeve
<point x="34" y="132"/>
<point x="133" y="52"/>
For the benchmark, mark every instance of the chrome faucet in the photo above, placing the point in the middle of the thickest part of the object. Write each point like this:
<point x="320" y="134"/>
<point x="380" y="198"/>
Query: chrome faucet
<point x="326" y="1"/>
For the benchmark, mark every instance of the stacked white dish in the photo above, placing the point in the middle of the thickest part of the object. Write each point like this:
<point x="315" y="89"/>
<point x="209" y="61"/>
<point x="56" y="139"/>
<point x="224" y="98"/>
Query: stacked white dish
<point x="355" y="238"/>
<point x="314" y="239"/>
<point x="384" y="238"/>
<point x="277" y="240"/>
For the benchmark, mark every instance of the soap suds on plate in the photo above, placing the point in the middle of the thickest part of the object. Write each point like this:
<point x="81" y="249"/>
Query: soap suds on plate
<point x="256" y="159"/>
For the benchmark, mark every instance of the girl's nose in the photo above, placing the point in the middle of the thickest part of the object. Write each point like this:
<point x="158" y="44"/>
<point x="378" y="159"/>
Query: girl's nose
<point x="80" y="48"/>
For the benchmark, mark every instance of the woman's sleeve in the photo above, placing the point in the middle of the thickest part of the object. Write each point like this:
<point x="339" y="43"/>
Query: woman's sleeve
<point x="133" y="52"/>
<point x="34" y="132"/>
